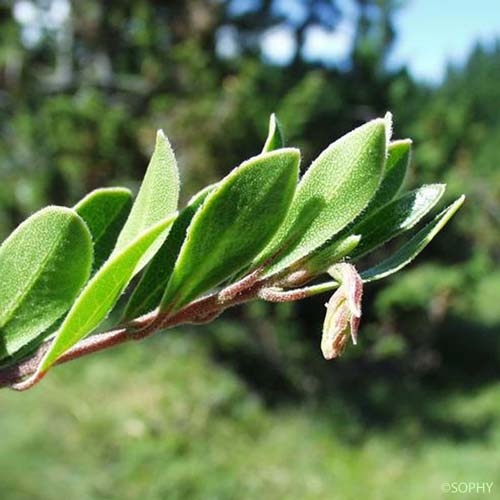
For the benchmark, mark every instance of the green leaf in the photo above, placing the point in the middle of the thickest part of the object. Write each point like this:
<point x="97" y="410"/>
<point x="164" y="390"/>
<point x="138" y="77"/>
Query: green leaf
<point x="236" y="221"/>
<point x="395" y="218"/>
<point x="275" y="139"/>
<point x="413" y="247"/>
<point x="43" y="265"/>
<point x="158" y="195"/>
<point x="104" y="211"/>
<point x="150" y="289"/>
<point x="202" y="194"/>
<point x="334" y="190"/>
<point x="325" y="257"/>
<point x="398" y="161"/>
<point x="394" y="173"/>
<point x="101" y="293"/>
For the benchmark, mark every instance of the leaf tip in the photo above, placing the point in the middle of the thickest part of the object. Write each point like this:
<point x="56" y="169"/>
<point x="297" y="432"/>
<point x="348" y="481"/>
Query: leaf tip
<point x="293" y="153"/>
<point x="354" y="239"/>
<point x="440" y="188"/>
<point x="275" y="138"/>
<point x="453" y="207"/>
<point x="162" y="141"/>
<point x="388" y="126"/>
<point x="459" y="201"/>
<point x="378" y="127"/>
<point x="406" y="141"/>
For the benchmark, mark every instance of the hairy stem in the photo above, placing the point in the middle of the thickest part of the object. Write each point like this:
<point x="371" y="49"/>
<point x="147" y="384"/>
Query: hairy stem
<point x="20" y="376"/>
<point x="23" y="374"/>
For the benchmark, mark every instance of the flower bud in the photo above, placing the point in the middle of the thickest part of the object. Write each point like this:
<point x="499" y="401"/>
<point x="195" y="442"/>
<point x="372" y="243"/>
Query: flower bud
<point x="343" y="311"/>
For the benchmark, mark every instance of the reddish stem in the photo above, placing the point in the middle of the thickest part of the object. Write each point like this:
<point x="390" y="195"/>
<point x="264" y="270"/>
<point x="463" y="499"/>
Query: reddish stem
<point x="24" y="375"/>
<point x="200" y="311"/>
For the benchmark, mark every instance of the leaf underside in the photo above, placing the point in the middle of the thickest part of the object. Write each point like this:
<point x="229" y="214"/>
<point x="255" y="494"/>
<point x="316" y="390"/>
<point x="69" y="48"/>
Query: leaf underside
<point x="396" y="217"/>
<point x="413" y="247"/>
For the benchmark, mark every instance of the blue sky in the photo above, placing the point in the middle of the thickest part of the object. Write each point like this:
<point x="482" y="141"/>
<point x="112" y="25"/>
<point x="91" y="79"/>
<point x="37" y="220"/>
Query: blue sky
<point x="431" y="33"/>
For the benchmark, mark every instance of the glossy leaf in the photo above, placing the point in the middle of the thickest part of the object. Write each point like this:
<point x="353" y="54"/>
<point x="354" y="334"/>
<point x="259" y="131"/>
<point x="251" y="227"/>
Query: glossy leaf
<point x="398" y="161"/>
<point x="158" y="195"/>
<point x="105" y="212"/>
<point x="413" y="247"/>
<point x="396" y="217"/>
<point x="236" y="221"/>
<point x="150" y="289"/>
<point x="102" y="292"/>
<point x="43" y="265"/>
<point x="275" y="139"/>
<point x="334" y="190"/>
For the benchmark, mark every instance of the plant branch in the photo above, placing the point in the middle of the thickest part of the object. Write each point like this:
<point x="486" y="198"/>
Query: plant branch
<point x="23" y="375"/>
<point x="276" y="294"/>
<point x="202" y="310"/>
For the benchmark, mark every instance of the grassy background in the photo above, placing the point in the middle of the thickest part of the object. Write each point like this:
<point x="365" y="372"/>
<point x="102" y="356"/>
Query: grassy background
<point x="163" y="420"/>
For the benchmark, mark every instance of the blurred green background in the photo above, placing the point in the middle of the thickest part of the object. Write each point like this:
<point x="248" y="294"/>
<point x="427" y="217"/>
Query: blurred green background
<point x="246" y="407"/>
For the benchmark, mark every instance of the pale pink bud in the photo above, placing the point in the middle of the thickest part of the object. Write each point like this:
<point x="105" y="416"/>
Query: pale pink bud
<point x="343" y="311"/>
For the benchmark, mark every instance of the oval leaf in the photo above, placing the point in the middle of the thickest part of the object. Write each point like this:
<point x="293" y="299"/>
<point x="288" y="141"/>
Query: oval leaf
<point x="413" y="247"/>
<point x="236" y="221"/>
<point x="101" y="294"/>
<point x="105" y="212"/>
<point x="150" y="289"/>
<point x="275" y="139"/>
<point x="392" y="179"/>
<point x="43" y="265"/>
<point x="334" y="190"/>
